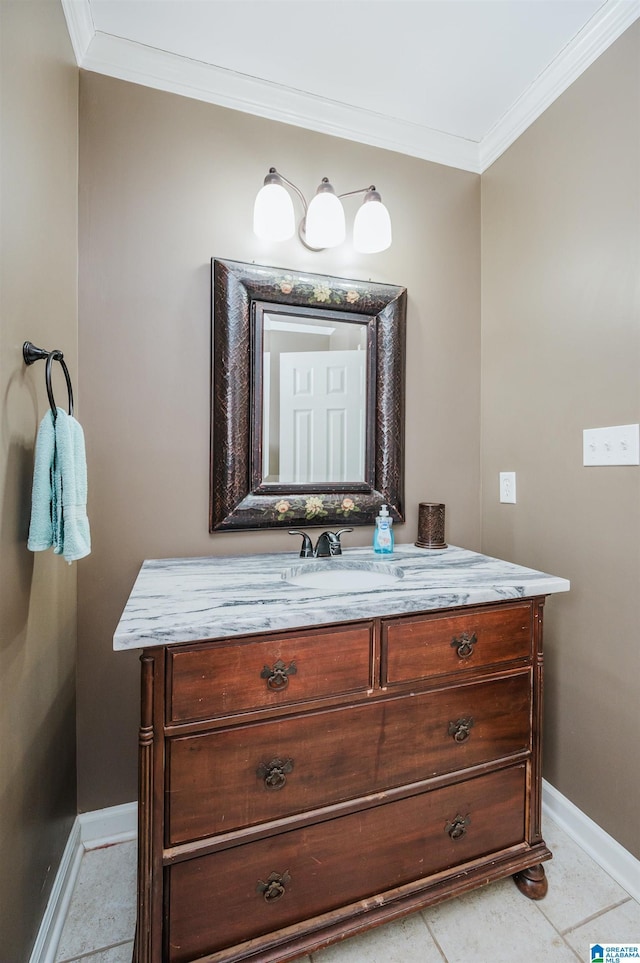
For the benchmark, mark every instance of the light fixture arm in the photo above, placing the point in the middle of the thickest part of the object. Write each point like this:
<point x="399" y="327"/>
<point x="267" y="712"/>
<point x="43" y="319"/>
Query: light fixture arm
<point x="280" y="178"/>
<point x="361" y="190"/>
<point x="325" y="180"/>
<point x="285" y="180"/>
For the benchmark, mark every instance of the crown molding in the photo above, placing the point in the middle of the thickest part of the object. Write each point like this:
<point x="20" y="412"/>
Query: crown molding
<point x="606" y="25"/>
<point x="139" y="64"/>
<point x="80" y="26"/>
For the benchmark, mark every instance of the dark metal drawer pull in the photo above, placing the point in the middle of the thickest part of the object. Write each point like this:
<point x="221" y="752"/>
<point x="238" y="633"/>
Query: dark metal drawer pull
<point x="461" y="729"/>
<point x="274" y="888"/>
<point x="278" y="677"/>
<point x="275" y="772"/>
<point x="464" y="644"/>
<point x="458" y="827"/>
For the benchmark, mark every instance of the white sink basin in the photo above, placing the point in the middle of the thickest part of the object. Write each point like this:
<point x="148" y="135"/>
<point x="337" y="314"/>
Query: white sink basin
<point x="341" y="575"/>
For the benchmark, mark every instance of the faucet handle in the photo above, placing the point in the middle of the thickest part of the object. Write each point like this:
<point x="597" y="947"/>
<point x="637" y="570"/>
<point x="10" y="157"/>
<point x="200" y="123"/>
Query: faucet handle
<point x="342" y="531"/>
<point x="306" y="549"/>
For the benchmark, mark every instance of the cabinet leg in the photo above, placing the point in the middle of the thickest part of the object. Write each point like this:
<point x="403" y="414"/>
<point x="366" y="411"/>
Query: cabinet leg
<point x="532" y="882"/>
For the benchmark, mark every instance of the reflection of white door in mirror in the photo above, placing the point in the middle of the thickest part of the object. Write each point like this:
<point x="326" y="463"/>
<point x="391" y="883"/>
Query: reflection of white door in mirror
<point x="315" y="399"/>
<point x="322" y="416"/>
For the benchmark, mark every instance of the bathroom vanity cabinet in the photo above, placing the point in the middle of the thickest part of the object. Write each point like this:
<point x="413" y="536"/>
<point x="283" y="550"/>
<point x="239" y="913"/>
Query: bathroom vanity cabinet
<point x="305" y="775"/>
<point x="296" y="787"/>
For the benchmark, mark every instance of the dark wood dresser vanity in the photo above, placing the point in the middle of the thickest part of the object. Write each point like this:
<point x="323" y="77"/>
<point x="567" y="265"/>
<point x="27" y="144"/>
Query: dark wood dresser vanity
<point x="299" y="786"/>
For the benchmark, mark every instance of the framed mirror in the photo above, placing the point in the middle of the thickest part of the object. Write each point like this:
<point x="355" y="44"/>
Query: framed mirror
<point x="307" y="399"/>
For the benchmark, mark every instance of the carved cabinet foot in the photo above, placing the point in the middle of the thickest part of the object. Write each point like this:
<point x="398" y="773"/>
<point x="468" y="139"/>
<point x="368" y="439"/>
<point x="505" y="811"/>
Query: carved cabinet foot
<point x="532" y="882"/>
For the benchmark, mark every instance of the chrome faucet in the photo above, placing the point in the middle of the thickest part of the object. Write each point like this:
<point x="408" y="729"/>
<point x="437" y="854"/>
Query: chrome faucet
<point x="327" y="546"/>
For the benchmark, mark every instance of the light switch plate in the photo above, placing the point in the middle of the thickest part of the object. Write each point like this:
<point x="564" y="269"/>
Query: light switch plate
<point x="508" y="487"/>
<point x="619" y="445"/>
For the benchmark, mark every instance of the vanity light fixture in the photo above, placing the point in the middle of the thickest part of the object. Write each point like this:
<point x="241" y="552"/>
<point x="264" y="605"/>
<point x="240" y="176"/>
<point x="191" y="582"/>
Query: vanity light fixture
<point x="323" y="222"/>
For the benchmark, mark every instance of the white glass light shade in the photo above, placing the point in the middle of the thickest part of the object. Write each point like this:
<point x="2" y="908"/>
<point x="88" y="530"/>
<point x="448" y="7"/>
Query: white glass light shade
<point x="273" y="217"/>
<point x="372" y="226"/>
<point x="325" y="225"/>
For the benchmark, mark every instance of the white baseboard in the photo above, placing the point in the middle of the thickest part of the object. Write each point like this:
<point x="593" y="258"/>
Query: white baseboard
<point x="617" y="861"/>
<point x="104" y="827"/>
<point x="46" y="944"/>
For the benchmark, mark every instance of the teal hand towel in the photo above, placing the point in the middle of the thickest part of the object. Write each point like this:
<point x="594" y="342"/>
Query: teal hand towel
<point x="42" y="492"/>
<point x="59" y="492"/>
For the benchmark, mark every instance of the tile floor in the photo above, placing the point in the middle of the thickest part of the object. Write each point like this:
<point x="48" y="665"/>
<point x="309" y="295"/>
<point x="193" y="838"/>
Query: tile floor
<point x="495" y="924"/>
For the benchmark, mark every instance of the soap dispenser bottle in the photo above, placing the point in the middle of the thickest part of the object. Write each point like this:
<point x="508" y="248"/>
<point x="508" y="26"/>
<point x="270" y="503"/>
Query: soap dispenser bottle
<point x="383" y="533"/>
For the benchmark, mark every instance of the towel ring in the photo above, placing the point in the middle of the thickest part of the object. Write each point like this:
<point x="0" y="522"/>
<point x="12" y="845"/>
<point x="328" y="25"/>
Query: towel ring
<point x="31" y="354"/>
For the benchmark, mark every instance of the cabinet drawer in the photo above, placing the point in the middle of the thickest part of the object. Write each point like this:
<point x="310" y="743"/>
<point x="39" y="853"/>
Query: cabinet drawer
<point x="238" y="777"/>
<point x="435" y="645"/>
<point x="232" y="896"/>
<point x="235" y="676"/>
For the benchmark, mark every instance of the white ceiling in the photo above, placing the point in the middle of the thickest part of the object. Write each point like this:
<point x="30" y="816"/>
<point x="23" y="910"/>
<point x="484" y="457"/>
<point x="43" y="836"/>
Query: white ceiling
<point x="453" y="81"/>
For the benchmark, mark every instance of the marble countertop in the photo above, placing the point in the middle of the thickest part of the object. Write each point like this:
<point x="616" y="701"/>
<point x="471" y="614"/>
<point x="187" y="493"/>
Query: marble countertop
<point x="186" y="599"/>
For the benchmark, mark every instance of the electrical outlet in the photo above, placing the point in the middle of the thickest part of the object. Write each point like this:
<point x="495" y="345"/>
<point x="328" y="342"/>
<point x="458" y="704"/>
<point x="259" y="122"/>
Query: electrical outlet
<point x="508" y="487"/>
<point x="611" y="446"/>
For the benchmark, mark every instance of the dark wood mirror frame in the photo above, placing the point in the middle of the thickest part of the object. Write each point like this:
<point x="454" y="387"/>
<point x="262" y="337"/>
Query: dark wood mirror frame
<point x="238" y="499"/>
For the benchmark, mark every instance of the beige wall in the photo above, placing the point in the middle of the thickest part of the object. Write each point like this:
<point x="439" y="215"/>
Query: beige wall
<point x="38" y="294"/>
<point x="561" y="352"/>
<point x="165" y="184"/>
